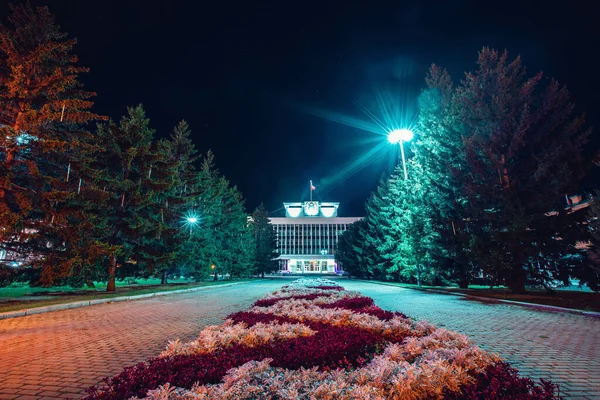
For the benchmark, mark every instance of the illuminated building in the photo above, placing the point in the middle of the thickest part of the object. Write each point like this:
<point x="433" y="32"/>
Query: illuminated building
<point x="307" y="237"/>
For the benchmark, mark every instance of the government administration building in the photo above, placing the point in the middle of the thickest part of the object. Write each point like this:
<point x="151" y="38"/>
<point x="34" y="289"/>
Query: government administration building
<point x="308" y="235"/>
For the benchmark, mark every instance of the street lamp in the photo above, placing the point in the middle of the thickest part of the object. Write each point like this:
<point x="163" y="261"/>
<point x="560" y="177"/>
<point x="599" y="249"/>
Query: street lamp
<point x="401" y="136"/>
<point x="191" y="219"/>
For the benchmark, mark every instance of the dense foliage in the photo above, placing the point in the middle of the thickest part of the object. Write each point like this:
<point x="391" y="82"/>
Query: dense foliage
<point x="79" y="204"/>
<point x="265" y="241"/>
<point x="493" y="160"/>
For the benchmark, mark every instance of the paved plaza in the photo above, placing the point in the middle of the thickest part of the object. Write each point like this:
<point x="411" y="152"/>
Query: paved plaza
<point x="559" y="346"/>
<point x="60" y="354"/>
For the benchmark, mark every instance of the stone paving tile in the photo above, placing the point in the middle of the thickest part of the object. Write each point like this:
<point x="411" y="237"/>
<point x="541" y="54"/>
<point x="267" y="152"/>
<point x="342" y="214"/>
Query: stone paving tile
<point x="559" y="346"/>
<point x="58" y="355"/>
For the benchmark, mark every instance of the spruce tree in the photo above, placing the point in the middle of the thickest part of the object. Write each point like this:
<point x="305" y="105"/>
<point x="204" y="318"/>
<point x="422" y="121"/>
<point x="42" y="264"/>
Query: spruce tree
<point x="524" y="151"/>
<point x="43" y="112"/>
<point x="375" y="233"/>
<point x="176" y="203"/>
<point x="133" y="176"/>
<point x="414" y="234"/>
<point x="349" y="251"/>
<point x="265" y="242"/>
<point x="222" y="243"/>
<point x="588" y="272"/>
<point x="439" y="152"/>
<point x="238" y="242"/>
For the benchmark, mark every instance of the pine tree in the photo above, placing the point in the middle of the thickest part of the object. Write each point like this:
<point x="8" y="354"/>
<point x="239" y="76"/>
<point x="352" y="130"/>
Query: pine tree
<point x="414" y="234"/>
<point x="222" y="243"/>
<point x="177" y="202"/>
<point x="265" y="242"/>
<point x="524" y="150"/>
<point x="238" y="243"/>
<point x="375" y="233"/>
<point x="43" y="109"/>
<point x="130" y="216"/>
<point x="350" y="250"/>
<point x="440" y="152"/>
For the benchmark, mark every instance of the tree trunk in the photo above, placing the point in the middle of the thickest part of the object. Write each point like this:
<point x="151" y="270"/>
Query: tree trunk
<point x="215" y="277"/>
<point x="262" y="275"/>
<point x="89" y="283"/>
<point x="516" y="281"/>
<point x="418" y="275"/>
<point x="112" y="272"/>
<point x="463" y="280"/>
<point x="163" y="279"/>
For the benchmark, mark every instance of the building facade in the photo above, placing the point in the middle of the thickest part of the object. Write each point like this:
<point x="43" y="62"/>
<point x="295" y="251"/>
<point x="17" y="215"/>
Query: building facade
<point x="308" y="235"/>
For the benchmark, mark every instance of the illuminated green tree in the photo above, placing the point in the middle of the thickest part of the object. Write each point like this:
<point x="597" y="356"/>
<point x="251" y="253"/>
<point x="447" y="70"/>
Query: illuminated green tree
<point x="177" y="202"/>
<point x="439" y="151"/>
<point x="265" y="242"/>
<point x="377" y="234"/>
<point x="134" y="176"/>
<point x="350" y="250"/>
<point x="222" y="238"/>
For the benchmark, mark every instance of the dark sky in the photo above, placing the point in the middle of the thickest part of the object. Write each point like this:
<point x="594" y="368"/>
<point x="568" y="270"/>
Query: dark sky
<point x="241" y="72"/>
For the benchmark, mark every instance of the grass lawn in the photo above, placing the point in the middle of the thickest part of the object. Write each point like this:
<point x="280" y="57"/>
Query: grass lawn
<point x="21" y="296"/>
<point x="579" y="300"/>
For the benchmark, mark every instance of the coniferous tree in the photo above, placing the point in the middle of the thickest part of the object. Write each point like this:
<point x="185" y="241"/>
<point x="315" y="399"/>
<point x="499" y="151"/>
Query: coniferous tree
<point x="131" y="219"/>
<point x="375" y="233"/>
<point x="350" y="250"/>
<point x="265" y="242"/>
<point x="222" y="242"/>
<point x="238" y="242"/>
<point x="416" y="239"/>
<point x="44" y="147"/>
<point x="586" y="269"/>
<point x="177" y="203"/>
<point x="524" y="151"/>
<point x="440" y="152"/>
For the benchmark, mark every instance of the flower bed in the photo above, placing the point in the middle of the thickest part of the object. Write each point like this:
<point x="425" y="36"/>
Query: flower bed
<point x="313" y="339"/>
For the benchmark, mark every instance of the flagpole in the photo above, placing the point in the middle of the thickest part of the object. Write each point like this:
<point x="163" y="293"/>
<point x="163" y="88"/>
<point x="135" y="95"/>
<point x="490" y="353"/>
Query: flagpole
<point x="310" y="189"/>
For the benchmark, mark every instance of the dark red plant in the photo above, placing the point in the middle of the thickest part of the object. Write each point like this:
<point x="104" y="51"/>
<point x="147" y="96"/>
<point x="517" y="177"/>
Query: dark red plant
<point x="363" y="305"/>
<point x="251" y="319"/>
<point x="331" y="347"/>
<point x="502" y="382"/>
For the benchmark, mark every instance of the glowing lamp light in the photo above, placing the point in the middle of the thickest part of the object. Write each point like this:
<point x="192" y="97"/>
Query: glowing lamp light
<point x="192" y="220"/>
<point x="400" y="135"/>
<point x="212" y="266"/>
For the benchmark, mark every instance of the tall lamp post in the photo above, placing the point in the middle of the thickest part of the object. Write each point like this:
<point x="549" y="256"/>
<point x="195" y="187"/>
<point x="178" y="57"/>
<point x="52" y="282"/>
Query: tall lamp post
<point x="400" y="136"/>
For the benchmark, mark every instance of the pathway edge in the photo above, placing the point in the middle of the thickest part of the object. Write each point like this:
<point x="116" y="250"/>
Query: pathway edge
<point x="488" y="299"/>
<point x="86" y="303"/>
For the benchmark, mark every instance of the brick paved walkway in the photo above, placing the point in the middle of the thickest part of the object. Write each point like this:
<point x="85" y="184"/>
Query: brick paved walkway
<point x="562" y="347"/>
<point x="60" y="354"/>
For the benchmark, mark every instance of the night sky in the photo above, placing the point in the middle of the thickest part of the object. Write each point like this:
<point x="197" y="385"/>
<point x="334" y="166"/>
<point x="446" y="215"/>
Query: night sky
<point x="250" y="77"/>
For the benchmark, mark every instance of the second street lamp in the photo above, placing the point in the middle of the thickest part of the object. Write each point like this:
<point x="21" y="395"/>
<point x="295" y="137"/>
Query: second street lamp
<point x="191" y="220"/>
<point x="401" y="136"/>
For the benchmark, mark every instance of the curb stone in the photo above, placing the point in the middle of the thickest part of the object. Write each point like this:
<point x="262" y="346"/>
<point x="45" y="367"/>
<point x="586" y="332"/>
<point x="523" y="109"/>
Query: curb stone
<point x="85" y="303"/>
<point x="544" y="307"/>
